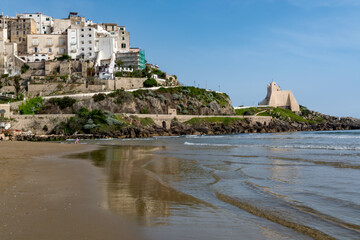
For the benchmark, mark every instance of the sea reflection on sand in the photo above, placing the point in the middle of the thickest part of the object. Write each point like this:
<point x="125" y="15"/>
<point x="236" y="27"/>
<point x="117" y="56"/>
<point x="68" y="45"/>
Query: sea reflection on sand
<point x="134" y="189"/>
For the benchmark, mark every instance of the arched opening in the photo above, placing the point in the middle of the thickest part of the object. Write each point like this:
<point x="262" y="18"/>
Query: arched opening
<point x="37" y="60"/>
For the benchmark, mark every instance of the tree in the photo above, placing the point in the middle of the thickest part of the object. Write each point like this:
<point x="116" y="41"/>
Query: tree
<point x="17" y="84"/>
<point x="119" y="63"/>
<point x="150" y="83"/>
<point x="64" y="57"/>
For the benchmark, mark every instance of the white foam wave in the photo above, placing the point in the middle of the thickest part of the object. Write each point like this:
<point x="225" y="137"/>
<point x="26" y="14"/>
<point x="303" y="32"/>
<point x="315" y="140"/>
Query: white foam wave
<point x="208" y="144"/>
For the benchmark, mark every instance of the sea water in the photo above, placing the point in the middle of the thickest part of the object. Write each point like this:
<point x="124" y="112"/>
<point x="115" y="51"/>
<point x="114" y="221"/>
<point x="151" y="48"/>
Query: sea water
<point x="300" y="185"/>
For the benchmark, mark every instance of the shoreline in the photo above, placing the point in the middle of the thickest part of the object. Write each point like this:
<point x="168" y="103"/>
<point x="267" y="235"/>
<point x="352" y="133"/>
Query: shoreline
<point x="201" y="130"/>
<point x="47" y="196"/>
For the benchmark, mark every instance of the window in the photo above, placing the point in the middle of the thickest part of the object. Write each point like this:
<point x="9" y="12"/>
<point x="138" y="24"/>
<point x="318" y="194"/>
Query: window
<point x="35" y="42"/>
<point x="38" y="16"/>
<point x="122" y="29"/>
<point x="43" y="27"/>
<point x="123" y="45"/>
<point x="82" y="49"/>
<point x="61" y="42"/>
<point x="82" y="29"/>
<point x="90" y="49"/>
<point x="90" y="54"/>
<point x="90" y="42"/>
<point x="123" y="38"/>
<point x="82" y="35"/>
<point x="30" y="15"/>
<point x="89" y="35"/>
<point x="82" y="42"/>
<point x="112" y="28"/>
<point x="47" y="19"/>
<point x="123" y="33"/>
<point x="17" y="32"/>
<point x="89" y="29"/>
<point x="50" y="50"/>
<point x="45" y="32"/>
<point x="35" y="49"/>
<point x="24" y="32"/>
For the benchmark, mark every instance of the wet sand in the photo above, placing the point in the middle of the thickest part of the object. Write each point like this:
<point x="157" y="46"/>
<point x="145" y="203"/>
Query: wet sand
<point x="45" y="196"/>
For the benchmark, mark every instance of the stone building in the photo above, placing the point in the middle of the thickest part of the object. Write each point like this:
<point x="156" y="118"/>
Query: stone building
<point x="8" y="53"/>
<point x="61" y="25"/>
<point x="44" y="24"/>
<point x="53" y="45"/>
<point x="279" y="98"/>
<point x="19" y="29"/>
<point x="123" y="36"/>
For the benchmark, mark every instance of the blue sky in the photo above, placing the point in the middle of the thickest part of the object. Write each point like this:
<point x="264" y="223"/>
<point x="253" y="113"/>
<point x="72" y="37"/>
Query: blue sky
<point x="311" y="47"/>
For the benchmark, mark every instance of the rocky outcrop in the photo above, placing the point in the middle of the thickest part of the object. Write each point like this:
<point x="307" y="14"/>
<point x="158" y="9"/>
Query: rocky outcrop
<point x="136" y="130"/>
<point x="187" y="100"/>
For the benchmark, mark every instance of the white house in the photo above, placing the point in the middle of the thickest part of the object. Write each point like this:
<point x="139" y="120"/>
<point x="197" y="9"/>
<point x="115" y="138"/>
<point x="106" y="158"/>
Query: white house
<point x="44" y="23"/>
<point x="82" y="42"/>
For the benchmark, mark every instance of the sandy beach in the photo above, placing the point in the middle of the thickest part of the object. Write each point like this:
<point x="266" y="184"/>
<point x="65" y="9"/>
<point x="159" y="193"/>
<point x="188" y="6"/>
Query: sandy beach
<point x="46" y="196"/>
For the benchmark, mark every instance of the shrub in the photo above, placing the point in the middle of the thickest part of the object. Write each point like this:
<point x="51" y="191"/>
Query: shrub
<point x="24" y="68"/>
<point x="118" y="74"/>
<point x="99" y="97"/>
<point x="150" y="83"/>
<point x="63" y="102"/>
<point x="31" y="106"/>
<point x="64" y="57"/>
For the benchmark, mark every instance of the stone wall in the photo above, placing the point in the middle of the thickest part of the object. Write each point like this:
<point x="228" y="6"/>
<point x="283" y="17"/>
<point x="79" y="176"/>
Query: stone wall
<point x="49" y="88"/>
<point x="36" y="124"/>
<point x="129" y="83"/>
<point x="7" y="89"/>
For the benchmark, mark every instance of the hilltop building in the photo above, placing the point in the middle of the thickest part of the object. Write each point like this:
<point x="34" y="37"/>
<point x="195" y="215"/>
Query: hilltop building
<point x="279" y="98"/>
<point x="134" y="58"/>
<point x="35" y="37"/>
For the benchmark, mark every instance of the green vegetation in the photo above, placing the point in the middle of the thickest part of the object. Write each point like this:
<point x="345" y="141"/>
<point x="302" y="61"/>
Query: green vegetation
<point x="250" y="111"/>
<point x="64" y="77"/>
<point x="159" y="73"/>
<point x="204" y="96"/>
<point x="118" y="74"/>
<point x="24" y="68"/>
<point x="64" y="57"/>
<point x="221" y="120"/>
<point x="63" y="103"/>
<point x="99" y="97"/>
<point x="90" y="121"/>
<point x="147" y="122"/>
<point x="150" y="83"/>
<point x="31" y="106"/>
<point x="283" y="114"/>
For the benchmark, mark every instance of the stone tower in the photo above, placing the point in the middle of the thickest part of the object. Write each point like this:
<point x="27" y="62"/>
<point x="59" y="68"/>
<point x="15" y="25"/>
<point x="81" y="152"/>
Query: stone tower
<point x="279" y="98"/>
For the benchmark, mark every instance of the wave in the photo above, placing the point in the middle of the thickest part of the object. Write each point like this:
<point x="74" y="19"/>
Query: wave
<point x="209" y="144"/>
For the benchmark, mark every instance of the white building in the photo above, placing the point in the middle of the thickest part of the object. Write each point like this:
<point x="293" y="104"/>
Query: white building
<point x="82" y="43"/>
<point x="44" y="24"/>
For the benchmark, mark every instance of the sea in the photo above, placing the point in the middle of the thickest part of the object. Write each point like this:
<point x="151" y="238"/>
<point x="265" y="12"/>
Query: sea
<point x="298" y="185"/>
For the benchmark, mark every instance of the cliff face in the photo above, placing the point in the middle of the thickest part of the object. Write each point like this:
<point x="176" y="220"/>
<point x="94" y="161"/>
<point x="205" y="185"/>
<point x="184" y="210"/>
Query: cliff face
<point x="186" y="100"/>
